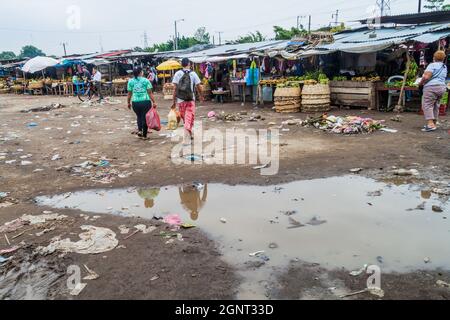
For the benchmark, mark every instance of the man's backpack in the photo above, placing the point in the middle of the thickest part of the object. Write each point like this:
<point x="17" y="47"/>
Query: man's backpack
<point x="184" y="87"/>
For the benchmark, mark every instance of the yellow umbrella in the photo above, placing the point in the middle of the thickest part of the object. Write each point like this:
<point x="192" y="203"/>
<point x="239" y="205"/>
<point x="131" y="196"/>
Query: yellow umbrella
<point x="169" y="65"/>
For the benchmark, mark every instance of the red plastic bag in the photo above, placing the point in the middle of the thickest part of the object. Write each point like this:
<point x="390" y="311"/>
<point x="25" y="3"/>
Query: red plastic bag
<point x="153" y="120"/>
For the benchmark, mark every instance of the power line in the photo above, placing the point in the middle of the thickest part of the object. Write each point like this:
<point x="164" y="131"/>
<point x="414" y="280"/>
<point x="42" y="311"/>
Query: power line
<point x="385" y="7"/>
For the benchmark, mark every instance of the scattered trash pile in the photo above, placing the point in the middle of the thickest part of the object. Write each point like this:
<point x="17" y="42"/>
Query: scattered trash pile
<point x="6" y="200"/>
<point x="344" y="125"/>
<point x="101" y="171"/>
<point x="105" y="101"/>
<point x="233" y="117"/>
<point x="53" y="106"/>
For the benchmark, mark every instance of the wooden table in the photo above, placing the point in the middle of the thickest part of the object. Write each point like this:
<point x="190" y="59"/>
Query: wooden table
<point x="239" y="85"/>
<point x="383" y="88"/>
<point x="221" y="94"/>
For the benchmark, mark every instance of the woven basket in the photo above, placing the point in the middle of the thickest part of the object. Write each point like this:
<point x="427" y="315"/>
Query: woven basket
<point x="288" y="109"/>
<point x="316" y="98"/>
<point x="316" y="89"/>
<point x="287" y="92"/>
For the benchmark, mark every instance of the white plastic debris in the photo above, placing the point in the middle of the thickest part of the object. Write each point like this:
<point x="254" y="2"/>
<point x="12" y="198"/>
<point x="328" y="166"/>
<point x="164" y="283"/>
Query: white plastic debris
<point x="144" y="229"/>
<point x="56" y="157"/>
<point x="95" y="240"/>
<point x="43" y="218"/>
<point x="359" y="272"/>
<point x="78" y="288"/>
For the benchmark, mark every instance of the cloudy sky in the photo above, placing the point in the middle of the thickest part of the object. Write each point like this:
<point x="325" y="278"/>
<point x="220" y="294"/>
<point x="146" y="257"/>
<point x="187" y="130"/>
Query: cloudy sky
<point x="110" y="24"/>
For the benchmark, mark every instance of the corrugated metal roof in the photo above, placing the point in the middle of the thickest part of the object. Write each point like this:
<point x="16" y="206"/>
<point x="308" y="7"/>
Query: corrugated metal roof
<point x="233" y="49"/>
<point x="414" y="18"/>
<point x="370" y="40"/>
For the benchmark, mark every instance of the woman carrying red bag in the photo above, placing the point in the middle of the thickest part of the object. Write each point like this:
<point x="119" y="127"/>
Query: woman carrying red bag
<point x="141" y="99"/>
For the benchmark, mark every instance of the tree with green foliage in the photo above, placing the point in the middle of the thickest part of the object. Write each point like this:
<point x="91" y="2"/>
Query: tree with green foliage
<point x="251" y="37"/>
<point x="338" y="28"/>
<point x="31" y="52"/>
<point x="434" y="5"/>
<point x="200" y="37"/>
<point x="446" y="6"/>
<point x="286" y="34"/>
<point x="7" y="55"/>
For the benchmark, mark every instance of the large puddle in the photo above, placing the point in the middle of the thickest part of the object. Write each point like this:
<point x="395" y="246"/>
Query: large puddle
<point x="336" y="222"/>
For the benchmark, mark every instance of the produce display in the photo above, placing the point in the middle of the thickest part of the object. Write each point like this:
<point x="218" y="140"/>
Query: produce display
<point x="413" y="70"/>
<point x="444" y="100"/>
<point x="399" y="84"/>
<point x="272" y="81"/>
<point x="36" y="84"/>
<point x="340" y="78"/>
<point x="120" y="81"/>
<point x="364" y="79"/>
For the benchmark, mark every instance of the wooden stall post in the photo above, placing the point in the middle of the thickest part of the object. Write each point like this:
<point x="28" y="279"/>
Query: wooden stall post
<point x="400" y="107"/>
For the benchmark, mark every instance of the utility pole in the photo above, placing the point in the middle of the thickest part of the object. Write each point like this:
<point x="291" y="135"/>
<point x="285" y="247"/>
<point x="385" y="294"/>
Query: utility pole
<point x="145" y="40"/>
<point x="336" y="17"/>
<point x="101" y="44"/>
<point x="175" y="45"/>
<point x="420" y="6"/>
<point x="384" y="6"/>
<point x="309" y="24"/>
<point x="64" y="47"/>
<point x="220" y="37"/>
<point x="298" y="21"/>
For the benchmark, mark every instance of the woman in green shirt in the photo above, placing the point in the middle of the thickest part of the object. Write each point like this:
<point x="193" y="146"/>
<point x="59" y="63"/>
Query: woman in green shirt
<point x="141" y="99"/>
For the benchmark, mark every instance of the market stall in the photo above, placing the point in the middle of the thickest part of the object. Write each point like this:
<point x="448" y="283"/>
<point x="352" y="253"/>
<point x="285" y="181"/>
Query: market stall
<point x="171" y="66"/>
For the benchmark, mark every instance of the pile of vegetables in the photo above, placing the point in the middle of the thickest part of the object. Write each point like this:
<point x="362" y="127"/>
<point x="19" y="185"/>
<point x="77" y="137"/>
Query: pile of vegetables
<point x="444" y="100"/>
<point x="289" y="84"/>
<point x="399" y="84"/>
<point x="413" y="70"/>
<point x="365" y="79"/>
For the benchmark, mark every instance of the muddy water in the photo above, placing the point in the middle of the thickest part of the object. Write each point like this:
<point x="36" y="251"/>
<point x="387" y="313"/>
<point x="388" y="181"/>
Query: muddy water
<point x="337" y="222"/>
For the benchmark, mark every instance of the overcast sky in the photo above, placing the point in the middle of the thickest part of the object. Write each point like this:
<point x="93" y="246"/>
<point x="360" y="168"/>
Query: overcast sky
<point x="121" y="24"/>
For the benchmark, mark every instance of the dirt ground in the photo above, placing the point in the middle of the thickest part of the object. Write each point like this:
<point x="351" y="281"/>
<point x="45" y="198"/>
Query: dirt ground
<point x="147" y="268"/>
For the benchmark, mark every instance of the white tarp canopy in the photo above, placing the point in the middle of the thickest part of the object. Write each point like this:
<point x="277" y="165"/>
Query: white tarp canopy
<point x="218" y="58"/>
<point x="97" y="62"/>
<point x="39" y="64"/>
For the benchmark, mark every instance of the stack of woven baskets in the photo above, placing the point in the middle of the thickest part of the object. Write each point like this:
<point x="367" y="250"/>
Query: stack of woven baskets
<point x="168" y="91"/>
<point x="205" y="90"/>
<point x="316" y="98"/>
<point x="287" y="100"/>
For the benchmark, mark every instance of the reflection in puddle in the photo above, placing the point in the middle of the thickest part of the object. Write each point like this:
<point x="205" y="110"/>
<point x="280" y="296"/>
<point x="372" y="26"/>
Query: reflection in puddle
<point x="337" y="222"/>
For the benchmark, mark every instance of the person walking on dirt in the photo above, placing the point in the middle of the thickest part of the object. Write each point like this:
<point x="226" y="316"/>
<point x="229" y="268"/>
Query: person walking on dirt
<point x="97" y="82"/>
<point x="434" y="87"/>
<point x="186" y="82"/>
<point x="141" y="99"/>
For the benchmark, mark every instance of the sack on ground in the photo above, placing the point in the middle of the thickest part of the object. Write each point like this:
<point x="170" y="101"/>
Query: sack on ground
<point x="153" y="120"/>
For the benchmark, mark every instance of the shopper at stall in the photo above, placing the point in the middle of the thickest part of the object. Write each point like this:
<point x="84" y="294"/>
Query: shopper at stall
<point x="141" y="99"/>
<point x="186" y="82"/>
<point x="434" y="87"/>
